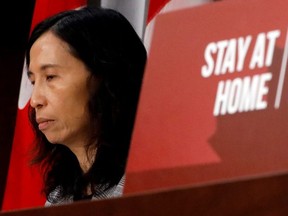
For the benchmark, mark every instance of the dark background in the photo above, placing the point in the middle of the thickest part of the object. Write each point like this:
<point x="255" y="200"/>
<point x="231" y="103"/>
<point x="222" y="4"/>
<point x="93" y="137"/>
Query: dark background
<point x="15" y="21"/>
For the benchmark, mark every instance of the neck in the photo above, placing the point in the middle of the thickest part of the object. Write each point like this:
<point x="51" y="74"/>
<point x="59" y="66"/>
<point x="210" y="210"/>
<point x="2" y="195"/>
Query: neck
<point x="84" y="156"/>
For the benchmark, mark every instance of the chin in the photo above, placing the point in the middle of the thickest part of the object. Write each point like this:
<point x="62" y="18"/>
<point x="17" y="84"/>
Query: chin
<point x="52" y="140"/>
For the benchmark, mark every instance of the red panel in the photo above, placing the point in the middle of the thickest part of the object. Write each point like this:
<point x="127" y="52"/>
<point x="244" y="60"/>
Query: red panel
<point x="177" y="140"/>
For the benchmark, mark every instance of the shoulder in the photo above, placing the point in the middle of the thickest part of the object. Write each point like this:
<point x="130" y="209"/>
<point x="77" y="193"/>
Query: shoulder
<point x="56" y="197"/>
<point x="116" y="191"/>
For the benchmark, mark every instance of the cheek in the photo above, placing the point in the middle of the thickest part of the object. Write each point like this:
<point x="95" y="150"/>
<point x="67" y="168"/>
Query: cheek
<point x="74" y="110"/>
<point x="70" y="105"/>
<point x="73" y="102"/>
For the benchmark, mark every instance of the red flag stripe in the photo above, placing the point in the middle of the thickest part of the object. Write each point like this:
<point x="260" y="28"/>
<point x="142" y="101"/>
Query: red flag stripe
<point x="155" y="7"/>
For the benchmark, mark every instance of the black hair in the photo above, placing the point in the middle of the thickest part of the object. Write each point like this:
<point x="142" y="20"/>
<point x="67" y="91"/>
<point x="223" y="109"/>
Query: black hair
<point x="112" y="51"/>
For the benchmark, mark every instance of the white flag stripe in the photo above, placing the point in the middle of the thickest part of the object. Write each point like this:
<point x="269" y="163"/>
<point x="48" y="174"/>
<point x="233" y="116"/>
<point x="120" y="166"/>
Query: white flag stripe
<point x="25" y="89"/>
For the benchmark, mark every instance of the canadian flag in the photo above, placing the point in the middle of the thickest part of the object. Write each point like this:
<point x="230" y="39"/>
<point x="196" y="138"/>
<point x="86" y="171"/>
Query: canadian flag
<point x="24" y="183"/>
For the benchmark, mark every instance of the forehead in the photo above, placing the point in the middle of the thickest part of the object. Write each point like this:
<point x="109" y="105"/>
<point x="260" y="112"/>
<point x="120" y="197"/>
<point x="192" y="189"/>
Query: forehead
<point x="49" y="49"/>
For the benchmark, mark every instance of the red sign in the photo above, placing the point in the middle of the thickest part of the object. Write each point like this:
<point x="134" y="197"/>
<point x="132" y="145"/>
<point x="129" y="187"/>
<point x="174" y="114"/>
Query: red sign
<point x="214" y="102"/>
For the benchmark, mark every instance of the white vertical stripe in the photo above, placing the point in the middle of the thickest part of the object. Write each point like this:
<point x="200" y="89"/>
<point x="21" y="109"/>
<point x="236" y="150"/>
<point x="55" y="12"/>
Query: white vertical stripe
<point x="25" y="89"/>
<point x="282" y="74"/>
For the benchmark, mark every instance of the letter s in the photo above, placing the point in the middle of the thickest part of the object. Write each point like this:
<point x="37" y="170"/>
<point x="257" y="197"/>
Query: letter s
<point x="207" y="70"/>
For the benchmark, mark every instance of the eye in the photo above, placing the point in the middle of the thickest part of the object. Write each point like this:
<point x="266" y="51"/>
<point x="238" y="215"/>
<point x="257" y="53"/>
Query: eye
<point x="50" y="77"/>
<point x="31" y="77"/>
<point x="31" y="81"/>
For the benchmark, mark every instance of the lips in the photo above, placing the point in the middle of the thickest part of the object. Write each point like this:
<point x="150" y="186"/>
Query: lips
<point x="44" y="123"/>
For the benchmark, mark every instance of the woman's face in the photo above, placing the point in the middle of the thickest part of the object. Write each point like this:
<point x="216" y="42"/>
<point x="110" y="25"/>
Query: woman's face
<point x="60" y="94"/>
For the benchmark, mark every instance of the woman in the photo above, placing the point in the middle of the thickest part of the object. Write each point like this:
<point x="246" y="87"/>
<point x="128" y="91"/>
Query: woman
<point x="86" y="68"/>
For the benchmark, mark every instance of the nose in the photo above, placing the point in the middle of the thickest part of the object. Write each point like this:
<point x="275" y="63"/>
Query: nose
<point x="38" y="98"/>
